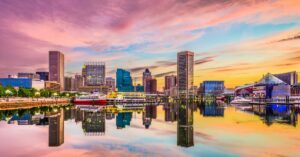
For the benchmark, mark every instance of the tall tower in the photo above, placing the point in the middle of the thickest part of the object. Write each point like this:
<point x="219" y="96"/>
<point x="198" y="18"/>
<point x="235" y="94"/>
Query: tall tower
<point x="146" y="75"/>
<point x="57" y="67"/>
<point x="185" y="72"/>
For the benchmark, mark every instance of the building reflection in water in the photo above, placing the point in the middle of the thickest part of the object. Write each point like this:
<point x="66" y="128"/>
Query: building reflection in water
<point x="56" y="128"/>
<point x="276" y="113"/>
<point x="185" y="129"/>
<point x="211" y="109"/>
<point x="93" y="123"/>
<point x="149" y="114"/>
<point x="170" y="112"/>
<point x="123" y="119"/>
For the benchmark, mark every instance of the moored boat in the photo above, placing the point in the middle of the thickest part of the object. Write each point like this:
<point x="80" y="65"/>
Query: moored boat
<point x="94" y="99"/>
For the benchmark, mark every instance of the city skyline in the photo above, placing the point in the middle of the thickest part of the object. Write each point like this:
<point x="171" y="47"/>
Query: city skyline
<point x="234" y="41"/>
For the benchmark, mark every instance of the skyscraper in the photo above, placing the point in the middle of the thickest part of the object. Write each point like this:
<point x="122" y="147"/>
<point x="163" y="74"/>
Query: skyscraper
<point x="95" y="73"/>
<point x="78" y="82"/>
<point x="151" y="86"/>
<point x="68" y="83"/>
<point x="56" y="67"/>
<point x="124" y="81"/>
<point x="185" y="72"/>
<point x="146" y="75"/>
<point x="111" y="83"/>
<point x="170" y="81"/>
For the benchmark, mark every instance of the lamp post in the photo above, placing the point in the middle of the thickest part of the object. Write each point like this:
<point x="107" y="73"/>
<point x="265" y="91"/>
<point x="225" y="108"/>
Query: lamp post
<point x="7" y="93"/>
<point x="37" y="94"/>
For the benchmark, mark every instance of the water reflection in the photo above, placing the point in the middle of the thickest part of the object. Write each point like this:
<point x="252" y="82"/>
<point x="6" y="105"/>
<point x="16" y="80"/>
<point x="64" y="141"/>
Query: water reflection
<point x="185" y="129"/>
<point x="93" y="120"/>
<point x="56" y="128"/>
<point x="212" y="109"/>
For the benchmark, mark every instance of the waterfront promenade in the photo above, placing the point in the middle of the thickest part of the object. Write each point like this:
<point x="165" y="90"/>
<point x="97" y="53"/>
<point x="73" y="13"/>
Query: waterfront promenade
<point x="18" y="103"/>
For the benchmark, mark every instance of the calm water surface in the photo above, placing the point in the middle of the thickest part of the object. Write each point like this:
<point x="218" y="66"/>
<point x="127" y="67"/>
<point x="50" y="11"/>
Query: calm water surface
<point x="219" y="130"/>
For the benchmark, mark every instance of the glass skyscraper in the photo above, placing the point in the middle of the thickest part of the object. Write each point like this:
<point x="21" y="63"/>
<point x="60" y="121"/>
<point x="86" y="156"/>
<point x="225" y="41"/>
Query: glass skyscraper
<point x="124" y="81"/>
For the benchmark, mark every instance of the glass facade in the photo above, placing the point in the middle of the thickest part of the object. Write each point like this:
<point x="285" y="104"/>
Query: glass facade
<point x="124" y="81"/>
<point x="185" y="72"/>
<point x="95" y="73"/>
<point x="213" y="87"/>
<point x="16" y="82"/>
<point x="43" y="75"/>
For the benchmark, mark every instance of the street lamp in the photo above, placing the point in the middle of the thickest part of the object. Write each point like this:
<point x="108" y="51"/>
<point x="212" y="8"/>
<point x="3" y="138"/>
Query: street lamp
<point x="8" y="92"/>
<point x="37" y="94"/>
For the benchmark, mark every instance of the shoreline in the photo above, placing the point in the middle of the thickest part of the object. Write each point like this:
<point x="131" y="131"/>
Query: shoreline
<point x="30" y="104"/>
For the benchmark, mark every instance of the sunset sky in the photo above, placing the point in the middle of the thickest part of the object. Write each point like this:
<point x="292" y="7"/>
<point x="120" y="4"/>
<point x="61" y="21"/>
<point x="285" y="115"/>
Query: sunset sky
<point x="234" y="40"/>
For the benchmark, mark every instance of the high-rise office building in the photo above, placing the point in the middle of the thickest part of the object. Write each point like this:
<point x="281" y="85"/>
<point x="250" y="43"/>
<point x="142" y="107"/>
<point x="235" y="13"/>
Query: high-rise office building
<point x="111" y="83"/>
<point x="95" y="73"/>
<point x="56" y="67"/>
<point x="170" y="81"/>
<point x="290" y="78"/>
<point x="151" y="86"/>
<point x="68" y="83"/>
<point x="78" y="82"/>
<point x="56" y="129"/>
<point x="43" y="75"/>
<point x="83" y="74"/>
<point x="185" y="72"/>
<point x="146" y="75"/>
<point x="29" y="75"/>
<point x="124" y="81"/>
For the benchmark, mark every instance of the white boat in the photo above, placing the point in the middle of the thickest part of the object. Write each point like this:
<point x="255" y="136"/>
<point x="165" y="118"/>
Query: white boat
<point x="240" y="100"/>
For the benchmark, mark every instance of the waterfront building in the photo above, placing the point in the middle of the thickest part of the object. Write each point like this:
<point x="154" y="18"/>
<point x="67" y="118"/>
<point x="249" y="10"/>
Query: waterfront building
<point x="289" y="78"/>
<point x="111" y="83"/>
<point x="93" y="123"/>
<point x="68" y="83"/>
<point x="83" y="74"/>
<point x="78" y="82"/>
<point x="212" y="88"/>
<point x="124" y="81"/>
<point x="29" y="75"/>
<point x="139" y="88"/>
<point x="57" y="67"/>
<point x="52" y="86"/>
<point x="295" y="90"/>
<point x="43" y="75"/>
<point x="185" y="72"/>
<point x="170" y="81"/>
<point x="264" y="87"/>
<point x="244" y="91"/>
<point x="151" y="86"/>
<point x="94" y="73"/>
<point x="281" y="90"/>
<point x="56" y="129"/>
<point x="146" y="75"/>
<point x="16" y="82"/>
